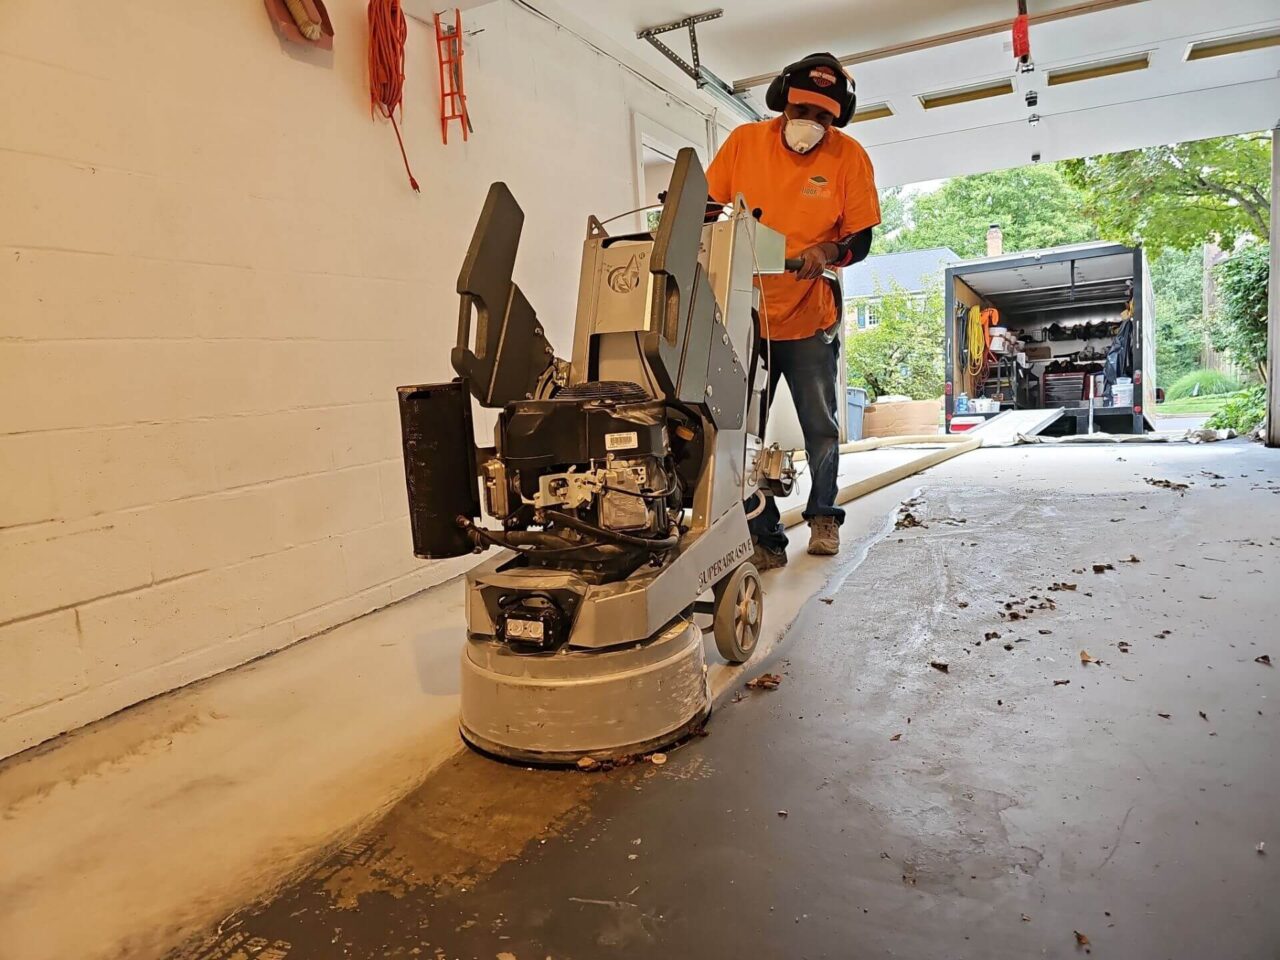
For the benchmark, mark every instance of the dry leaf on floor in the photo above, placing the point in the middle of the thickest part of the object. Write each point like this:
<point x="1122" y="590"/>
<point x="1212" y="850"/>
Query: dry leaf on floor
<point x="587" y="763"/>
<point x="1081" y="939"/>
<point x="896" y="737"/>
<point x="1164" y="716"/>
<point x="1179" y="488"/>
<point x="940" y="665"/>
<point x="908" y="520"/>
<point x="1045" y="633"/>
<point x="828" y="600"/>
<point x="766" y="681"/>
<point x="1061" y="683"/>
<point x="1102" y="567"/>
<point x="1008" y="646"/>
<point x="1204" y="716"/>
<point x="1265" y="659"/>
<point x="1085" y="659"/>
<point x="1063" y="586"/>
<point x="962" y="604"/>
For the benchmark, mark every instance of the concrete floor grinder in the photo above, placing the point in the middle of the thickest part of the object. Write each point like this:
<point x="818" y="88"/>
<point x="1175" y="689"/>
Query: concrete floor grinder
<point x="616" y="485"/>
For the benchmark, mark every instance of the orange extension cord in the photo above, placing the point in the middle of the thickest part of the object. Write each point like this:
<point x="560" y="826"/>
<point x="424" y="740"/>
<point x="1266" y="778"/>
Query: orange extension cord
<point x="387" y="32"/>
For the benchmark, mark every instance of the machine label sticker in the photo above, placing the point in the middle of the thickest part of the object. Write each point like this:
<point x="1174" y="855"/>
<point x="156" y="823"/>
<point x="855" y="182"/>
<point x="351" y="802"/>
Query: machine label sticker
<point x="724" y="564"/>
<point x="621" y="441"/>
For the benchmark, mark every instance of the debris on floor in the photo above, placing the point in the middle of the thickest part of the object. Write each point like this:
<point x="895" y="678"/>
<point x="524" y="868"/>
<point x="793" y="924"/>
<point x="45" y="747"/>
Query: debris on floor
<point x="1085" y="659"/>
<point x="1178" y="488"/>
<point x="907" y="520"/>
<point x="766" y="681"/>
<point x="1265" y="660"/>
<point x="1061" y="683"/>
<point x="940" y="665"/>
<point x="1102" y="567"/>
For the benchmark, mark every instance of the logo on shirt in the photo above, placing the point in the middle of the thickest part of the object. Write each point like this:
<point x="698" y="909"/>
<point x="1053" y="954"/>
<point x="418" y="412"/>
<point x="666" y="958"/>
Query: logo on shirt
<point x="817" y="186"/>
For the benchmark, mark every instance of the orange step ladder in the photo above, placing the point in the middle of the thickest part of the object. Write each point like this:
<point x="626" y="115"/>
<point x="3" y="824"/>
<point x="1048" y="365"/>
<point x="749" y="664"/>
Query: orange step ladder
<point x="453" y="98"/>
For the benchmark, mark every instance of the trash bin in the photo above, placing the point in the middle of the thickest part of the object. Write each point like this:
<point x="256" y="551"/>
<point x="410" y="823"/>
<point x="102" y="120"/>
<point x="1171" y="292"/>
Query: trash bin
<point x="857" y="398"/>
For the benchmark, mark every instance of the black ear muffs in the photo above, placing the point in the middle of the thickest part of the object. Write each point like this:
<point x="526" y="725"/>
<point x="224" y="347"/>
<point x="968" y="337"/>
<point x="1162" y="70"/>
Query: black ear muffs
<point x="775" y="98"/>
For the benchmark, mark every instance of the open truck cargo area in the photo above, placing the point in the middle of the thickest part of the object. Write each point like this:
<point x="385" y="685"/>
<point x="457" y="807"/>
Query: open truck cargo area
<point x="1071" y="328"/>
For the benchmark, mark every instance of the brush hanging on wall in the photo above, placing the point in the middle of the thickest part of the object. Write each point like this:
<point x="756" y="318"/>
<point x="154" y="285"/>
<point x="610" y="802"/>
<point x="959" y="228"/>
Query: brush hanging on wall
<point x="302" y="21"/>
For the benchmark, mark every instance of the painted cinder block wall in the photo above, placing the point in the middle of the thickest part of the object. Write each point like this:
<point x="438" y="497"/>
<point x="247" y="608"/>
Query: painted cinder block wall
<point x="213" y="275"/>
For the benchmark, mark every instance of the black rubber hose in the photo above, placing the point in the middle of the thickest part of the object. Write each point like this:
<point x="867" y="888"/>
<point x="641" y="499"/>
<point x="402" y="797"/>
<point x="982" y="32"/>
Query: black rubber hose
<point x="573" y="523"/>
<point x="539" y="542"/>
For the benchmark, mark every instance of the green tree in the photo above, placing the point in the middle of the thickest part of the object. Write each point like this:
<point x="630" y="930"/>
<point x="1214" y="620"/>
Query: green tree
<point x="1240" y="327"/>
<point x="1182" y="195"/>
<point x="1177" y="278"/>
<point x="1035" y="206"/>
<point x="894" y="204"/>
<point x="903" y="352"/>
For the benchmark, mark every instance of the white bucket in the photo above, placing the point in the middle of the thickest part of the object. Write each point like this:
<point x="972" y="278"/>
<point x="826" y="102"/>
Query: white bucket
<point x="1122" y="392"/>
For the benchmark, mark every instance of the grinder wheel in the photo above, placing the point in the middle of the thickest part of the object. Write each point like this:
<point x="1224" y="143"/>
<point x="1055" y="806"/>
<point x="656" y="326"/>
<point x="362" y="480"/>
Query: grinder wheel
<point x="739" y="612"/>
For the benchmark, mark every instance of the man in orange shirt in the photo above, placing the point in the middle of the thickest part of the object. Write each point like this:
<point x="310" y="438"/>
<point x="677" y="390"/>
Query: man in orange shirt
<point x="816" y="186"/>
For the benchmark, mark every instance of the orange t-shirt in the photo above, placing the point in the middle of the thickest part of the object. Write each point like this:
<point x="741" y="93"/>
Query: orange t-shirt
<point x="810" y="198"/>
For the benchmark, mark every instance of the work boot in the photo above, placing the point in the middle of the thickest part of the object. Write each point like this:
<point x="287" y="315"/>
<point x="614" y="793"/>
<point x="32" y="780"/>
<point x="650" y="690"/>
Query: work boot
<point x="824" y="536"/>
<point x="765" y="559"/>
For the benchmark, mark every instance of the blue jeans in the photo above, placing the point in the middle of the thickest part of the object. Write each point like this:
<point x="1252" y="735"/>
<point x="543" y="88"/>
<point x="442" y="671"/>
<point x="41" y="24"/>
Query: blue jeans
<point x="812" y="369"/>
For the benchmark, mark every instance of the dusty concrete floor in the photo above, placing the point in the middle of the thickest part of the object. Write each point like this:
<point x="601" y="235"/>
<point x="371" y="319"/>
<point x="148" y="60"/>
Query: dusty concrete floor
<point x="874" y="805"/>
<point x="150" y="825"/>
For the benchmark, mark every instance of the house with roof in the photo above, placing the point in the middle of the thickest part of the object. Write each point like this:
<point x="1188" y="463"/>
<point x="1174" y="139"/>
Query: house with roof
<point x="914" y="272"/>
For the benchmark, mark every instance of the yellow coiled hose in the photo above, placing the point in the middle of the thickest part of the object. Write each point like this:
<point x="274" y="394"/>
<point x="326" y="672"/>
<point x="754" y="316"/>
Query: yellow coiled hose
<point x="977" y="342"/>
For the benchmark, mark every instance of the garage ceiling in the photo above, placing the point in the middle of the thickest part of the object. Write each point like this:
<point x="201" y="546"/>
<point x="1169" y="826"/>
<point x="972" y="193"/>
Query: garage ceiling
<point x="1162" y="97"/>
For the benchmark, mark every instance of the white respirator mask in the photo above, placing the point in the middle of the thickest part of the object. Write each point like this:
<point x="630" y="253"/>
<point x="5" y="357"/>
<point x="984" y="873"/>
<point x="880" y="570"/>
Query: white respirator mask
<point x="803" y="135"/>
